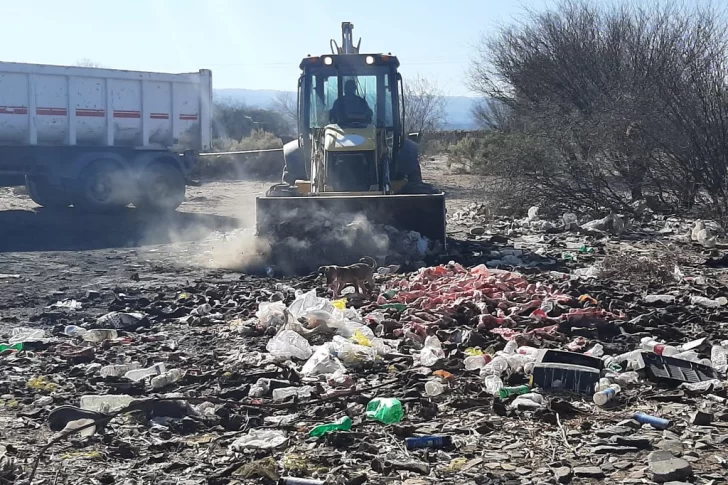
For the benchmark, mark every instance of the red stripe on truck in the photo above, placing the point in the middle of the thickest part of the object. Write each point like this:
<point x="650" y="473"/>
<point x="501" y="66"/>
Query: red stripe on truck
<point x="13" y="110"/>
<point x="127" y="114"/>
<point x="51" y="111"/>
<point x="92" y="113"/>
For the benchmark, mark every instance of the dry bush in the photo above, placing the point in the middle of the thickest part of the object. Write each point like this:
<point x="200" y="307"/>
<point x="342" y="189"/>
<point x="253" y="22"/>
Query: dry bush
<point x="264" y="164"/>
<point x="652" y="268"/>
<point x="620" y="101"/>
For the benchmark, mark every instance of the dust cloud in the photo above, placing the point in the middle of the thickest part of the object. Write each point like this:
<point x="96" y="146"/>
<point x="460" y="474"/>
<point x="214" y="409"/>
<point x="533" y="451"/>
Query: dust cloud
<point x="297" y="242"/>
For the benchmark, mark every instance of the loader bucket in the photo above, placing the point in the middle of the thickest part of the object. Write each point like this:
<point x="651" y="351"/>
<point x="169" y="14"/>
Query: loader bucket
<point x="308" y="219"/>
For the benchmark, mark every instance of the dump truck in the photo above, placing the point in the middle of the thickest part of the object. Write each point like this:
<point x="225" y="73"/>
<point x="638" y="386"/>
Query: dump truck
<point x="352" y="154"/>
<point x="100" y="139"/>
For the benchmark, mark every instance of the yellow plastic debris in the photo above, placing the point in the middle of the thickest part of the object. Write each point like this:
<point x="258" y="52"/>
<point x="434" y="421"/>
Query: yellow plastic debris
<point x="361" y="339"/>
<point x="42" y="384"/>
<point x="456" y="465"/>
<point x="340" y="303"/>
<point x="471" y="351"/>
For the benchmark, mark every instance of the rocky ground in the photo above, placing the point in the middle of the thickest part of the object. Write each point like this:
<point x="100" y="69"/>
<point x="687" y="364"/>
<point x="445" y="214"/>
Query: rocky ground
<point x="229" y="343"/>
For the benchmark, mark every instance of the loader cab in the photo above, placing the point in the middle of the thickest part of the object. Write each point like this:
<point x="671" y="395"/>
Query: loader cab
<point x="362" y="143"/>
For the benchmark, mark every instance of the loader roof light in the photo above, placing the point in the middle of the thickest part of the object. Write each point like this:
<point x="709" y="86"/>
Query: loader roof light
<point x="328" y="61"/>
<point x="370" y="59"/>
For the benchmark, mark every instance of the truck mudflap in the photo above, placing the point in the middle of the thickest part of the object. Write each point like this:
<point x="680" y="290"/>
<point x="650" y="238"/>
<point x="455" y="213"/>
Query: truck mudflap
<point x="423" y="213"/>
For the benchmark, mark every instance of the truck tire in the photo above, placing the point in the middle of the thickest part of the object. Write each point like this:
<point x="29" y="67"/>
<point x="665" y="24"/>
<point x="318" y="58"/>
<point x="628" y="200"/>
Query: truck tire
<point x="102" y="186"/>
<point x="45" y="194"/>
<point x="161" y="188"/>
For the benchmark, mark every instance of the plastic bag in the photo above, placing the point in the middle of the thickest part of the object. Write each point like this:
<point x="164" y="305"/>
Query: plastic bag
<point x="349" y="352"/>
<point x="271" y="313"/>
<point x="259" y="438"/>
<point x="308" y="302"/>
<point x="431" y="352"/>
<point x="26" y="334"/>
<point x="322" y="363"/>
<point x="288" y="344"/>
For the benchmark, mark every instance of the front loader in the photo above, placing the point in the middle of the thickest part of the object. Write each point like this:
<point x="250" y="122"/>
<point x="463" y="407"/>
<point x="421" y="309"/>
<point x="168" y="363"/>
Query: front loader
<point x="352" y="156"/>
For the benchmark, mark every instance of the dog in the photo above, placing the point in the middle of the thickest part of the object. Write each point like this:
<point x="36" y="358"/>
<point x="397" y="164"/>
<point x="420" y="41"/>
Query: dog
<point x="359" y="275"/>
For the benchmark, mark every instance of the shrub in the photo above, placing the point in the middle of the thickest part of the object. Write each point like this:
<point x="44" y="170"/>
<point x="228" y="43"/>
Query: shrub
<point x="240" y="166"/>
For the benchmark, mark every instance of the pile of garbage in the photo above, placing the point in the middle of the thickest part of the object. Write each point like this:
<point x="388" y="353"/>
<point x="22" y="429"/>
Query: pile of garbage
<point x="449" y="374"/>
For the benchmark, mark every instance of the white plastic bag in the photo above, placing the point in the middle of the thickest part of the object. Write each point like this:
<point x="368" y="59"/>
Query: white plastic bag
<point x="322" y="363"/>
<point x="288" y="344"/>
<point x="431" y="352"/>
<point x="271" y="313"/>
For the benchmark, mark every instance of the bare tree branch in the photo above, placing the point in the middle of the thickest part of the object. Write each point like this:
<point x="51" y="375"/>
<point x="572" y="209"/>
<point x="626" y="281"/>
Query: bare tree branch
<point x="425" y="105"/>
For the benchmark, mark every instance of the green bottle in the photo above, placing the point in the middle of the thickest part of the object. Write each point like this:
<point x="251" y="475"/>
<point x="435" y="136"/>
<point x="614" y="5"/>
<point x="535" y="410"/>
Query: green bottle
<point x="387" y="410"/>
<point x="400" y="307"/>
<point x="342" y="424"/>
<point x="505" y="392"/>
<point x="18" y="347"/>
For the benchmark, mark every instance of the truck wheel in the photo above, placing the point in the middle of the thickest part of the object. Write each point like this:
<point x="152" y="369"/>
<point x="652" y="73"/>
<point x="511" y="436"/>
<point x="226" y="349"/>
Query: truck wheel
<point x="102" y="187"/>
<point x="45" y="194"/>
<point x="162" y="187"/>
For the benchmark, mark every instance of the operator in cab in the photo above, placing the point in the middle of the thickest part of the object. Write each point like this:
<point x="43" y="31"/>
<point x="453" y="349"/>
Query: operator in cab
<point x="350" y="107"/>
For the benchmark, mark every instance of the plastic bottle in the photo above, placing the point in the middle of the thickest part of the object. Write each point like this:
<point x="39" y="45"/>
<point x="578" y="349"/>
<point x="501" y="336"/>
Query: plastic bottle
<point x="167" y="378"/>
<point x="260" y="388"/>
<point x="707" y="302"/>
<point x="105" y="403"/>
<point x="630" y="378"/>
<point x="428" y="442"/>
<point x="506" y="392"/>
<point x="118" y="370"/>
<point x="516" y="362"/>
<point x="603" y="384"/>
<point x="570" y="219"/>
<point x="140" y="374"/>
<point x="74" y="331"/>
<point x="476" y="362"/>
<point x="528" y="351"/>
<point x="654" y="421"/>
<point x="511" y="347"/>
<point x="651" y="345"/>
<point x="497" y="366"/>
<point x="667" y="299"/>
<point x="100" y="334"/>
<point x="387" y="410"/>
<point x="342" y="424"/>
<point x="719" y="358"/>
<point x="16" y="347"/>
<point x="530" y="400"/>
<point x="493" y="384"/>
<point x="596" y="351"/>
<point x="202" y="310"/>
<point x="434" y="388"/>
<point x="689" y="355"/>
<point x="603" y="397"/>
<point x="285" y="392"/>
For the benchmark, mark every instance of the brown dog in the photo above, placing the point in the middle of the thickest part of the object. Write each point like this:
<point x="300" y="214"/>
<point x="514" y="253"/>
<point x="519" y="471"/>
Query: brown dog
<point x="359" y="275"/>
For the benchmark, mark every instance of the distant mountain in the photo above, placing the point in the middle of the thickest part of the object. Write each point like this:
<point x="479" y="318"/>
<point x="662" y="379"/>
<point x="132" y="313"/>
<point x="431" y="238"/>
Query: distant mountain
<point x="458" y="107"/>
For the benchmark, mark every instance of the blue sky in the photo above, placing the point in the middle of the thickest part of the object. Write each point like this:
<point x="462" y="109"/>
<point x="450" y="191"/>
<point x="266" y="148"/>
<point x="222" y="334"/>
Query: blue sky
<point x="250" y="44"/>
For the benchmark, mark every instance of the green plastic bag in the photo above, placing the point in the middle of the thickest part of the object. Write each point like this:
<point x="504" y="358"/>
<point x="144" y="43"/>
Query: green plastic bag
<point x="387" y="410"/>
<point x="342" y="424"/>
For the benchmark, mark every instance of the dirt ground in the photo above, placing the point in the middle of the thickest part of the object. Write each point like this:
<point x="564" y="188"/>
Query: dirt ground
<point x="63" y="254"/>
